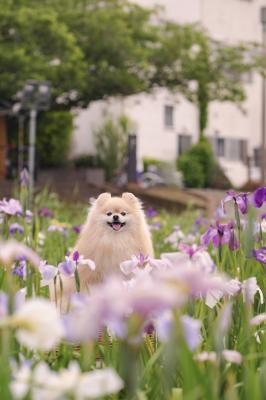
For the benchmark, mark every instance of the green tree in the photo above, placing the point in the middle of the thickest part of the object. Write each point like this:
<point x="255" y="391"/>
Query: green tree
<point x="111" y="143"/>
<point x="86" y="48"/>
<point x="35" y="44"/>
<point x="190" y="62"/>
<point x="54" y="138"/>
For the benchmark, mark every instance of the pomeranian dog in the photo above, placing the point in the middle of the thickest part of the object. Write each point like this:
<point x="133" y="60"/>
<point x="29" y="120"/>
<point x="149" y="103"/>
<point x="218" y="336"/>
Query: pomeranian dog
<point x="115" y="230"/>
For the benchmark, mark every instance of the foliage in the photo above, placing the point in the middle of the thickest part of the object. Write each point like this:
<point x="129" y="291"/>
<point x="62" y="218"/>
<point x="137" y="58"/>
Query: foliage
<point x="192" y="170"/>
<point x="148" y="162"/>
<point x="191" y="62"/>
<point x="54" y="138"/>
<point x="111" y="144"/>
<point x="197" y="164"/>
<point x="86" y="161"/>
<point x="87" y="49"/>
<point x="36" y="44"/>
<point x="113" y="47"/>
<point x="218" y="179"/>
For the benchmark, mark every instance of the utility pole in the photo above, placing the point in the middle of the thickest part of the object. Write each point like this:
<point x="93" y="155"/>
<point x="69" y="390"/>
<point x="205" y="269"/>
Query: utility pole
<point x="32" y="140"/>
<point x="35" y="97"/>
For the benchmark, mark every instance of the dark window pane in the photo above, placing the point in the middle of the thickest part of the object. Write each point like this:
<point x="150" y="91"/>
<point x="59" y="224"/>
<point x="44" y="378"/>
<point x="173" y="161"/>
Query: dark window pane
<point x="220" y="147"/>
<point x="169" y="116"/>
<point x="184" y="143"/>
<point x="257" y="152"/>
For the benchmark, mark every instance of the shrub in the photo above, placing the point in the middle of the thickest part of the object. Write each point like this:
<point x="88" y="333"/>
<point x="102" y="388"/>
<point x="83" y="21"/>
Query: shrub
<point x="198" y="161"/>
<point x="218" y="179"/>
<point x="148" y="162"/>
<point x="193" y="174"/>
<point x="86" y="161"/>
<point x="111" y="144"/>
<point x="54" y="137"/>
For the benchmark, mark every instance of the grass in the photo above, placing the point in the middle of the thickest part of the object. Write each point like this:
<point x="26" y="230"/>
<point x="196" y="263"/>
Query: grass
<point x="150" y="368"/>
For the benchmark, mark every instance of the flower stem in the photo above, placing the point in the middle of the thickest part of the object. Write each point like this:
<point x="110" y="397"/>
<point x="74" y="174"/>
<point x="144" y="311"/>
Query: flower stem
<point x="237" y="222"/>
<point x="77" y="280"/>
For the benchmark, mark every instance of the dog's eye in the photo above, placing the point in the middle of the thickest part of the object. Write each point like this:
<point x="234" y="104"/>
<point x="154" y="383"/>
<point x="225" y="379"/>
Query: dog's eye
<point x="123" y="213"/>
<point x="109" y="214"/>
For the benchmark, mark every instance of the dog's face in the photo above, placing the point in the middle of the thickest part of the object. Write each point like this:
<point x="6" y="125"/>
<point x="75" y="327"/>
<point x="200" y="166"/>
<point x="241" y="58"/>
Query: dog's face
<point x="117" y="213"/>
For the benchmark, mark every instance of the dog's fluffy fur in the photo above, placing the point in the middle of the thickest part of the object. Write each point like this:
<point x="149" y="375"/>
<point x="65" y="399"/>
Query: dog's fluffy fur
<point x="115" y="230"/>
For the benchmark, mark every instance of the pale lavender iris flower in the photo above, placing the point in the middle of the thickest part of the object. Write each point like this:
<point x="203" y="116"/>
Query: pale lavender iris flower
<point x="10" y="207"/>
<point x="260" y="254"/>
<point x="48" y="273"/>
<point x="191" y="328"/>
<point x="240" y="199"/>
<point x="16" y="228"/>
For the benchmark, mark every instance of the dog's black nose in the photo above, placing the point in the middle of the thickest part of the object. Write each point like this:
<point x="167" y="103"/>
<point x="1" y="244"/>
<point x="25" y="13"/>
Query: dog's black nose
<point x="115" y="217"/>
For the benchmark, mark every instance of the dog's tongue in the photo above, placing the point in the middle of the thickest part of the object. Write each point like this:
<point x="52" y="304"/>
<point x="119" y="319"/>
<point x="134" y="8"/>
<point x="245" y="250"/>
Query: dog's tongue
<point x="116" y="227"/>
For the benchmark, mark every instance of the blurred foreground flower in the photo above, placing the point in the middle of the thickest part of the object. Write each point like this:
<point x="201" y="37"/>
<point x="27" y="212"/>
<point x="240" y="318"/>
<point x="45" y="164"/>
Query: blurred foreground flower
<point x="16" y="228"/>
<point x="46" y="384"/>
<point x="12" y="250"/>
<point x="45" y="212"/>
<point x="258" y="319"/>
<point x="190" y="257"/>
<point x="230" y="356"/>
<point x="260" y="255"/>
<point x="37" y="323"/>
<point x="10" y="207"/>
<point x="191" y="329"/>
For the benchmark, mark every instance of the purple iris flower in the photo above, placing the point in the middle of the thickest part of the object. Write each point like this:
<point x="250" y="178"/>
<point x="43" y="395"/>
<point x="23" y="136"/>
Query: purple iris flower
<point x="190" y="250"/>
<point x="24" y="178"/>
<point x="29" y="216"/>
<point x="220" y="234"/>
<point x="155" y="226"/>
<point x="260" y="255"/>
<point x="77" y="228"/>
<point x="263" y="216"/>
<point x="259" y="197"/>
<point x="151" y="213"/>
<point x="75" y="256"/>
<point x="142" y="259"/>
<point x="67" y="267"/>
<point x="3" y="304"/>
<point x="10" y="207"/>
<point x="46" y="212"/>
<point x="16" y="228"/>
<point x="149" y="328"/>
<point x="240" y="199"/>
<point x="20" y="269"/>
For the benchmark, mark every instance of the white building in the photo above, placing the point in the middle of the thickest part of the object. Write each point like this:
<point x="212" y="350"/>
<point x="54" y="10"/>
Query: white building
<point x="167" y="125"/>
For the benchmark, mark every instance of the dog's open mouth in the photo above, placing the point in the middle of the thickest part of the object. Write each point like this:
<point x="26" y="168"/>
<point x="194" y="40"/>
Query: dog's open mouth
<point x="116" y="225"/>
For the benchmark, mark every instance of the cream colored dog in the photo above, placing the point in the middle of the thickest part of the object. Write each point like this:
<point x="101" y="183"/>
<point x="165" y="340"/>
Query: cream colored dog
<point x="115" y="230"/>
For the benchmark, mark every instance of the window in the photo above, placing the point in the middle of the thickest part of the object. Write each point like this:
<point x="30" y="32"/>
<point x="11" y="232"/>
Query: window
<point x="184" y="143"/>
<point x="256" y="155"/>
<point x="230" y="149"/>
<point x="169" y="116"/>
<point x="247" y="77"/>
<point x="220" y="147"/>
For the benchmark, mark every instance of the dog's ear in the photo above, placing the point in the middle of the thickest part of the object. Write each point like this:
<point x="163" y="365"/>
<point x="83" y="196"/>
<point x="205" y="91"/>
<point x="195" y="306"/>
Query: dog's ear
<point x="102" y="198"/>
<point x="131" y="199"/>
